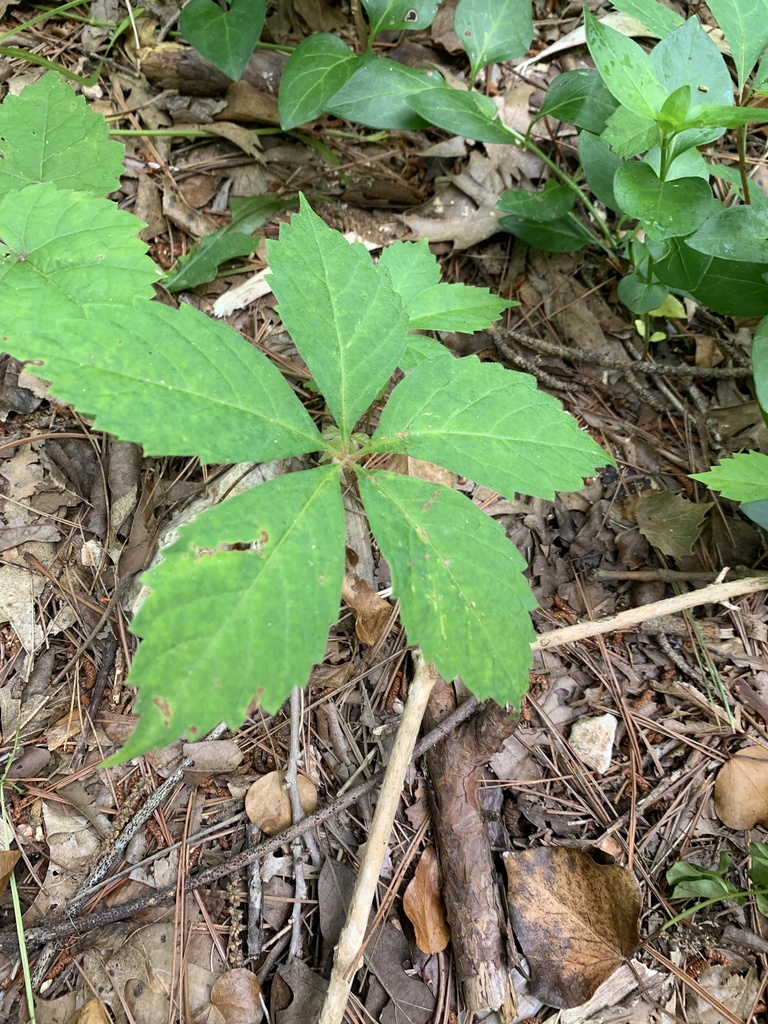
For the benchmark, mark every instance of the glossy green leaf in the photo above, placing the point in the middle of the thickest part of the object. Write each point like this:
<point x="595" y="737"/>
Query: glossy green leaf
<point x="665" y="208"/>
<point x="464" y="113"/>
<point x="743" y="477"/>
<point x="689" y="164"/>
<point x="681" y="267"/>
<point x="202" y="262"/>
<point x="379" y="94"/>
<point x="733" y="287"/>
<point x="82" y="248"/>
<point x="396" y="15"/>
<point x="658" y="19"/>
<point x="493" y="30"/>
<point x="735" y="233"/>
<point x="580" y="98"/>
<point x="691" y="881"/>
<point x="563" y="235"/>
<point x="432" y="306"/>
<point x="552" y="203"/>
<point x="316" y="70"/>
<point x="732" y="175"/>
<point x="337" y="306"/>
<point x="224" y="36"/>
<point x="758" y="513"/>
<point x="674" y="108"/>
<point x="639" y="295"/>
<point x="463" y="597"/>
<point x="173" y="380"/>
<point x="760" y="363"/>
<point x="489" y="424"/>
<point x="629" y="134"/>
<point x="599" y="163"/>
<point x="50" y="135"/>
<point x="689" y="57"/>
<point x="745" y="27"/>
<point x="710" y="115"/>
<point x="229" y="623"/>
<point x="625" y="68"/>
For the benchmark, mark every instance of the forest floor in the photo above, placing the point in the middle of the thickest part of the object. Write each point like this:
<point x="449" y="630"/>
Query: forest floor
<point x="184" y="891"/>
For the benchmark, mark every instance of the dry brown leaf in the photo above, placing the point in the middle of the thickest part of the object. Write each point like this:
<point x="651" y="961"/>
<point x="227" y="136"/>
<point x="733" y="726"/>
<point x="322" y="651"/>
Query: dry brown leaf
<point x="670" y="522"/>
<point x="8" y="860"/>
<point x="429" y="471"/>
<point x="372" y="613"/>
<point x="423" y="904"/>
<point x="237" y="996"/>
<point x="93" y="1012"/>
<point x="741" y="789"/>
<point x="575" y="920"/>
<point x="268" y="805"/>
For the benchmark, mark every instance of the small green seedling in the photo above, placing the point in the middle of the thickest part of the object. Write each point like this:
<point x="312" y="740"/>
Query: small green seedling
<point x="711" y="885"/>
<point x="243" y="601"/>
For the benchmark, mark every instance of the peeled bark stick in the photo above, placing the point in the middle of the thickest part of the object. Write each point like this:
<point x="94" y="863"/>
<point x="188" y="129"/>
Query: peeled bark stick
<point x="471" y="895"/>
<point x="350" y="945"/>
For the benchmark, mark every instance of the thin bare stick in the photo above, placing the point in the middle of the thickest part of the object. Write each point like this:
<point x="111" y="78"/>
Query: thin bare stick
<point x="714" y="594"/>
<point x="352" y="936"/>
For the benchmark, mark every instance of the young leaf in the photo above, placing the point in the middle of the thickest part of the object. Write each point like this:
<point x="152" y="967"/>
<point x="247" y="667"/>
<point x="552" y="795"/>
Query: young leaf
<point x="202" y="262"/>
<point x="657" y="18"/>
<point x="172" y="380"/>
<point x="316" y="70"/>
<point x="599" y="164"/>
<point x="463" y="597"/>
<point x="580" y="98"/>
<point x="733" y="287"/>
<point x="343" y="314"/>
<point x="664" y="208"/>
<point x="713" y="115"/>
<point x="745" y="27"/>
<point x="629" y="134"/>
<point x="83" y="248"/>
<point x="464" y="113"/>
<point x="735" y="233"/>
<point x="490" y="424"/>
<point x="223" y="624"/>
<point x="493" y="30"/>
<point x="641" y="296"/>
<point x="396" y="15"/>
<point x="378" y="94"/>
<point x="48" y="134"/>
<point x="758" y="875"/>
<point x="432" y="306"/>
<point x="625" y="68"/>
<point x="743" y="477"/>
<point x="693" y="882"/>
<point x="225" y="37"/>
<point x="554" y="202"/>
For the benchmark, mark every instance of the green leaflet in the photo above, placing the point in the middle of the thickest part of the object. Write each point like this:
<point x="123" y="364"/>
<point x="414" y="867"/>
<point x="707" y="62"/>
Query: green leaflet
<point x="743" y="477"/>
<point x="489" y="424"/>
<point x="463" y="596"/>
<point x="341" y="311"/>
<point x="464" y="113"/>
<point x="665" y="208"/>
<point x="745" y="27"/>
<point x="83" y="248"/>
<point x="316" y="70"/>
<point x="225" y="36"/>
<point x="625" y="68"/>
<point x="432" y="306"/>
<point x="734" y="233"/>
<point x="395" y="15"/>
<point x="49" y="134"/>
<point x="222" y="625"/>
<point x="379" y="94"/>
<point x="172" y="380"/>
<point x="493" y="30"/>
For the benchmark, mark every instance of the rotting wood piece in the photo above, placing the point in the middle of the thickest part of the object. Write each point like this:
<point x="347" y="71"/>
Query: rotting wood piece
<point x="470" y="889"/>
<point x="173" y="66"/>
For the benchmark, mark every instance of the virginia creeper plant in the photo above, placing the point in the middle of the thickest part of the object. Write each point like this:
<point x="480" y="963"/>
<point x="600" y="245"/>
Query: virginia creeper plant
<point x="242" y="603"/>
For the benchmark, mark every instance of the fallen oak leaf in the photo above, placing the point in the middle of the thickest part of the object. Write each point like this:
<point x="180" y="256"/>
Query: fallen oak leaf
<point x="576" y="921"/>
<point x="8" y="861"/>
<point x="423" y="905"/>
<point x="741" y="789"/>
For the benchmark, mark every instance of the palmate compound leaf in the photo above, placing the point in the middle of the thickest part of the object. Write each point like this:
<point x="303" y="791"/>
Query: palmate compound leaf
<point x="430" y="305"/>
<point x="343" y="314"/>
<point x="489" y="424"/>
<point x="463" y="596"/>
<point x="60" y="250"/>
<point x="48" y="134"/>
<point x="221" y="626"/>
<point x="172" y="380"/>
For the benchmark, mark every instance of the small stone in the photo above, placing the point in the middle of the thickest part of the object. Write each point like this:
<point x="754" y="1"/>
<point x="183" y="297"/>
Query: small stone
<point x="592" y="741"/>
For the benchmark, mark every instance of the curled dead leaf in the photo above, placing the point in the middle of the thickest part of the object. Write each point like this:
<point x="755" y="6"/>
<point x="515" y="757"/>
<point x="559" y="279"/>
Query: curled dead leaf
<point x="372" y="613"/>
<point x="93" y="1012"/>
<point x="238" y="997"/>
<point x="423" y="904"/>
<point x="8" y="861"/>
<point x="741" y="789"/>
<point x="575" y="920"/>
<point x="268" y="805"/>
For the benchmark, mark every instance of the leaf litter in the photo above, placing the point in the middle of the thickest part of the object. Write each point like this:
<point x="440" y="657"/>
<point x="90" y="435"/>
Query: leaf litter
<point x="655" y="803"/>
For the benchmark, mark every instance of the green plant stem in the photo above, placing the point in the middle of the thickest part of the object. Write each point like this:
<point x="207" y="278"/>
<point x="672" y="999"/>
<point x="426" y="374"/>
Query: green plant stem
<point x="708" y="903"/>
<point x="40" y="17"/>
